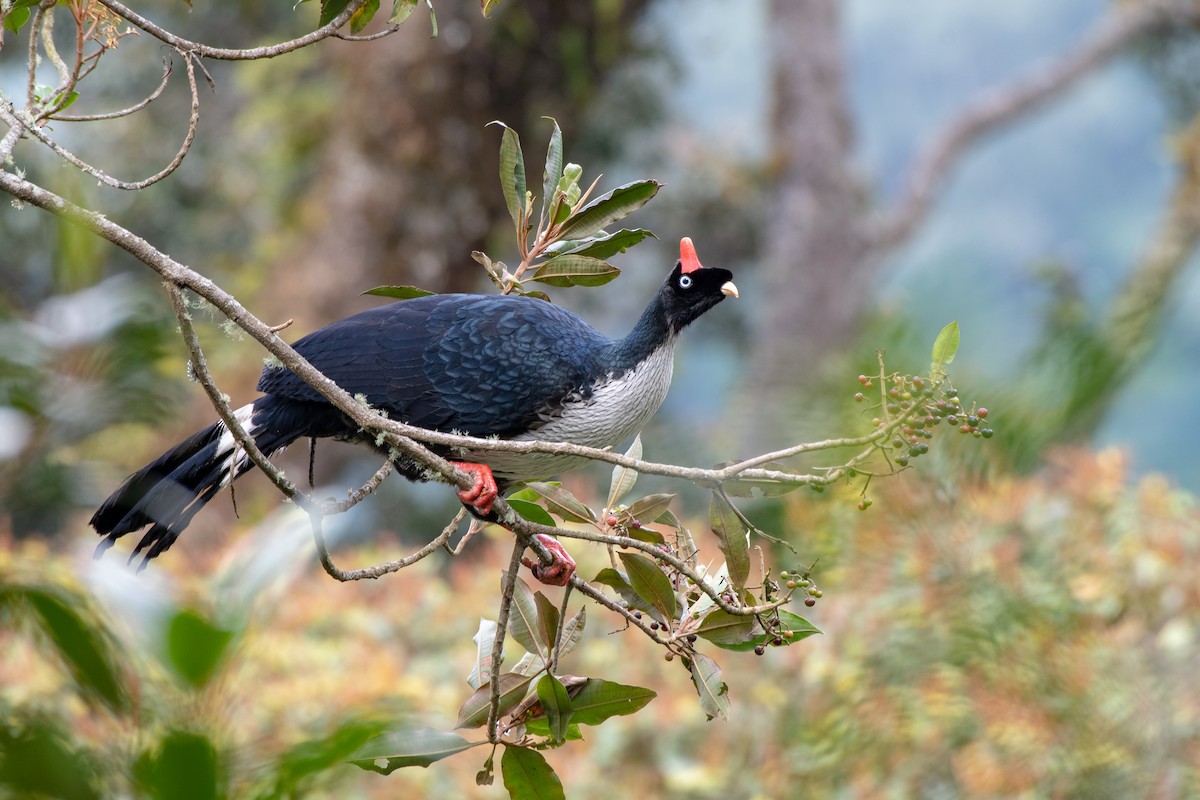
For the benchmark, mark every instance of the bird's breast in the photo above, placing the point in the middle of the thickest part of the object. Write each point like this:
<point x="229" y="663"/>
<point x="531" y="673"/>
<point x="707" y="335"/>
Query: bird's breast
<point x="615" y="407"/>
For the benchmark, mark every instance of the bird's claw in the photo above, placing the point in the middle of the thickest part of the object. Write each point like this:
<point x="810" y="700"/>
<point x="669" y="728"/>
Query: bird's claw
<point x="483" y="493"/>
<point x="561" y="567"/>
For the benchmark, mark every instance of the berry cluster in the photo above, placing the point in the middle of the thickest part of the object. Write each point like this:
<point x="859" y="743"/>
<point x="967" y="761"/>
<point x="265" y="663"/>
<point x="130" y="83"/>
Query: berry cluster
<point x="917" y="399"/>
<point x="804" y="582"/>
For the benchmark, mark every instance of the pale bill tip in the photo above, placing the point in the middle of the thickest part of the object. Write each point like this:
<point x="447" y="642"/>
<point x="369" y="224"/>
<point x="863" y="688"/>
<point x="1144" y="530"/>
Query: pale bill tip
<point x="728" y="288"/>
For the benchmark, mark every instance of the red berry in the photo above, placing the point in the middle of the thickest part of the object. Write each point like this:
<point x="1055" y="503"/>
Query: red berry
<point x="612" y="520"/>
<point x="982" y="413"/>
<point x="810" y="601"/>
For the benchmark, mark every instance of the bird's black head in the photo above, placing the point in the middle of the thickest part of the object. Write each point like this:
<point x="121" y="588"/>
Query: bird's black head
<point x="692" y="289"/>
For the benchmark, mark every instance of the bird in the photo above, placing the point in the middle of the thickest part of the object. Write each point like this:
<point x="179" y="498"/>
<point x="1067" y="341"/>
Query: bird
<point x="485" y="365"/>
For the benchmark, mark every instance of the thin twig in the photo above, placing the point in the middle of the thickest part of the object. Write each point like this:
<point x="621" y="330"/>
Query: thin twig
<point x="168" y="68"/>
<point x="371" y="573"/>
<point x="508" y="586"/>
<point x="234" y="54"/>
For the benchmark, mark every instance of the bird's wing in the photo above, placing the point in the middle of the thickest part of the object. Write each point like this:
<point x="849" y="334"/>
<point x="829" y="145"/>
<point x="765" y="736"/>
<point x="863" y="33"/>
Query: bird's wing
<point x="478" y="364"/>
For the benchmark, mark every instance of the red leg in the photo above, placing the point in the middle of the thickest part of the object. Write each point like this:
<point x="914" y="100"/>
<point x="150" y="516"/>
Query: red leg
<point x="483" y="493"/>
<point x="559" y="571"/>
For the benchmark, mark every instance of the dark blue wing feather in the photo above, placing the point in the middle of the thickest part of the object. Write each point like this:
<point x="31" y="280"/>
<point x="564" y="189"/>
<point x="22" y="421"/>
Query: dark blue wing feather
<point x="479" y="364"/>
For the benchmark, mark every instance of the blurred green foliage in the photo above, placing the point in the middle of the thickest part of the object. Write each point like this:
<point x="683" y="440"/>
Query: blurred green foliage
<point x="1030" y="637"/>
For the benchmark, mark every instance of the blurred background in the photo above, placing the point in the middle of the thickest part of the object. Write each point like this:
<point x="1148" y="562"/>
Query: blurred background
<point x="1013" y="619"/>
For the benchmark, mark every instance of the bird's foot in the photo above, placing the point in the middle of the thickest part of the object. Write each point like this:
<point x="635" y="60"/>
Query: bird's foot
<point x="480" y="496"/>
<point x="561" y="567"/>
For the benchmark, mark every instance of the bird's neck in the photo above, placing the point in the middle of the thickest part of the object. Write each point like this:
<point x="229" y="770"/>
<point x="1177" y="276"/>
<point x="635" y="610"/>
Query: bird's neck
<point x="652" y="332"/>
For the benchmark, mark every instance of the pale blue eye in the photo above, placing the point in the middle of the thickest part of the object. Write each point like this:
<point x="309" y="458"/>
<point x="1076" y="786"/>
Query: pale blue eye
<point x="685" y="281"/>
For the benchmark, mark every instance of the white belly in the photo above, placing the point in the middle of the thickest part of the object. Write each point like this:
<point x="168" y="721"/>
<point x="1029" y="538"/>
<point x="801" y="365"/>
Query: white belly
<point x="618" y="409"/>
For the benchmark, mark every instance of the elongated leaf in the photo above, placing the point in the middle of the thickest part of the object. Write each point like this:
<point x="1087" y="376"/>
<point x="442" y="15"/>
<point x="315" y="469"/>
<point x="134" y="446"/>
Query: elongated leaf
<point x="531" y="511"/>
<point x="572" y="632"/>
<point x="540" y="727"/>
<point x="602" y="245"/>
<point x="512" y="173"/>
<point x="713" y="691"/>
<point x="721" y="628"/>
<point x="528" y="776"/>
<point x="574" y="270"/>
<point x="360" y="18"/>
<point x="623" y="478"/>
<point x="195" y="646"/>
<point x="409" y="747"/>
<point x="556" y="704"/>
<point x="731" y="534"/>
<point x="399" y="292"/>
<point x="486" y="6"/>
<point x="599" y="700"/>
<point x="547" y="616"/>
<point x="651" y="584"/>
<point x="607" y="209"/>
<point x="402" y="10"/>
<point x="484" y="639"/>
<point x="523" y="620"/>
<point x="474" y="712"/>
<point x="554" y="162"/>
<point x="87" y="653"/>
<point x="15" y="18"/>
<point x="650" y="507"/>
<point x="945" y="347"/>
<point x="800" y="627"/>
<point x="561" y="502"/>
<point x="317" y="755"/>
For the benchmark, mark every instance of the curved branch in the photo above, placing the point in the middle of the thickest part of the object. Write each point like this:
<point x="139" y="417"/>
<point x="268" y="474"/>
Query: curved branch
<point x="378" y="571"/>
<point x="168" y="67"/>
<point x="1003" y="105"/>
<point x="30" y="127"/>
<point x="230" y="54"/>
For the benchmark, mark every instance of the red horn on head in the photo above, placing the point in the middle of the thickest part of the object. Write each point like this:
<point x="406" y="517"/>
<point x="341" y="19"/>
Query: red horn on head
<point x="687" y="255"/>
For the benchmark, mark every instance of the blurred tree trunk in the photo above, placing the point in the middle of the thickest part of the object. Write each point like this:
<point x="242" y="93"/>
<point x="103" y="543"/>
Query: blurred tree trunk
<point x="815" y="266"/>
<point x="405" y="195"/>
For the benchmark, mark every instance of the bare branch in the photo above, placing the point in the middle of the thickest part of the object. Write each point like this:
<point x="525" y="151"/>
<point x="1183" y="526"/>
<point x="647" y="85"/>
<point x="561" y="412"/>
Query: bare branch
<point x="168" y="67"/>
<point x="509" y="586"/>
<point x="371" y="573"/>
<point x="1125" y="22"/>
<point x="229" y="54"/>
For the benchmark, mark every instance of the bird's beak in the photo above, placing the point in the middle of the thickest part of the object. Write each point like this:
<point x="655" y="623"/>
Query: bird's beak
<point x="728" y="288"/>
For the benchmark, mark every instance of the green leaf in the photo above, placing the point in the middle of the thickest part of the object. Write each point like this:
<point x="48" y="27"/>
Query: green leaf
<point x="713" y="691"/>
<point x="87" y="653"/>
<point x="409" y="747"/>
<point x="556" y="704"/>
<point x="528" y="776"/>
<point x="623" y="478"/>
<point x="561" y="502"/>
<point x="531" y="511"/>
<point x="945" y="347"/>
<point x="195" y="646"/>
<point x="599" y="699"/>
<point x="432" y="20"/>
<point x="602" y="245"/>
<point x="800" y="627"/>
<point x="474" y="712"/>
<point x="317" y="755"/>
<point x="650" y="507"/>
<point x="186" y="767"/>
<point x="731" y="535"/>
<point x="615" y="580"/>
<point x="484" y="639"/>
<point x="330" y="9"/>
<point x="651" y="584"/>
<point x="547" y="619"/>
<point x="512" y="173"/>
<point x="486" y="6"/>
<point x="523" y="620"/>
<point x="359" y="19"/>
<point x="554" y="158"/>
<point x="722" y="628"/>
<point x="399" y="292"/>
<point x="575" y="270"/>
<point x="540" y="727"/>
<point x="15" y="18"/>
<point x="605" y="210"/>
<point x="402" y="10"/>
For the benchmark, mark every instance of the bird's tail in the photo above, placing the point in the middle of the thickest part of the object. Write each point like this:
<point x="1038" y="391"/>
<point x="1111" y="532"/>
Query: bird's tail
<point x="166" y="493"/>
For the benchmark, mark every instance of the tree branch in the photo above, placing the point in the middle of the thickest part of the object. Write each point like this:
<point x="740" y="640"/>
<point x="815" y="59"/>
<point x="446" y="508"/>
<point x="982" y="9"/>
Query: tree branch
<point x="508" y="587"/>
<point x="1002" y="105"/>
<point x="378" y="571"/>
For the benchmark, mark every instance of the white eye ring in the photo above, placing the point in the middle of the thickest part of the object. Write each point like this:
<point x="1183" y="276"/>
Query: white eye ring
<point x="685" y="281"/>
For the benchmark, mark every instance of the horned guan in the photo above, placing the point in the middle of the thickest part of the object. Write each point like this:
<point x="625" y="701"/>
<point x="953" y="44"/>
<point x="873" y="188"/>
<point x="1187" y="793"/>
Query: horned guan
<point x="483" y="365"/>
